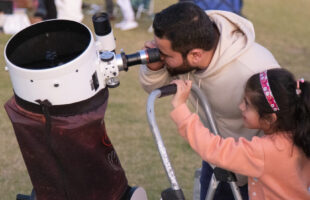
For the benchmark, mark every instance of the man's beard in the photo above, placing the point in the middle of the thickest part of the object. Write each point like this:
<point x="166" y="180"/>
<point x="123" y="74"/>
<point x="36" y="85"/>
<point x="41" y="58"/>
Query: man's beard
<point x="181" y="69"/>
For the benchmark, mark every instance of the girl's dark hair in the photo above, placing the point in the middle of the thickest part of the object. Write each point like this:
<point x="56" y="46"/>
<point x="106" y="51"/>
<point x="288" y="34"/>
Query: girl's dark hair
<point x="186" y="26"/>
<point x="294" y="113"/>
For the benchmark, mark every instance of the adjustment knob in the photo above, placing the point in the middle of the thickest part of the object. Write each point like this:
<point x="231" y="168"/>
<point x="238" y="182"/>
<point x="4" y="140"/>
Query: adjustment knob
<point x="106" y="56"/>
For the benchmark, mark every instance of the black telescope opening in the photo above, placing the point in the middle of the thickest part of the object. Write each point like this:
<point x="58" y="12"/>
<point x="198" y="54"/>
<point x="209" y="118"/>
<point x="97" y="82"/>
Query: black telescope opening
<point x="48" y="44"/>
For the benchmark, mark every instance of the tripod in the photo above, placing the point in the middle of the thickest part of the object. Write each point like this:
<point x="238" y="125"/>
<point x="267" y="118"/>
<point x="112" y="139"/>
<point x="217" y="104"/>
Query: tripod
<point x="219" y="175"/>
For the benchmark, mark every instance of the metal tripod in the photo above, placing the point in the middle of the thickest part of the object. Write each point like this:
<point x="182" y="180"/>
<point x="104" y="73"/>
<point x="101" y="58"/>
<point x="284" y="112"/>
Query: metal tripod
<point x="220" y="175"/>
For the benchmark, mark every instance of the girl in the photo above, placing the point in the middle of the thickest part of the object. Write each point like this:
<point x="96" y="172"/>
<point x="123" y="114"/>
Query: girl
<point x="277" y="164"/>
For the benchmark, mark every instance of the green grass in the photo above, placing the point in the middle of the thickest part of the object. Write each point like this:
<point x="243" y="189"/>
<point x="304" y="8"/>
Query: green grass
<point x="281" y="25"/>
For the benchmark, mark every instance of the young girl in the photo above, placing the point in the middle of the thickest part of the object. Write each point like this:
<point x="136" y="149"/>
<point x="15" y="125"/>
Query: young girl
<point x="277" y="164"/>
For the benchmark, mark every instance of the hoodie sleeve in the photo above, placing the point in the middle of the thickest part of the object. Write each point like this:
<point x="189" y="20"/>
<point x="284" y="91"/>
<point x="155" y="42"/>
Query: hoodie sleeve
<point x="242" y="156"/>
<point x="151" y="80"/>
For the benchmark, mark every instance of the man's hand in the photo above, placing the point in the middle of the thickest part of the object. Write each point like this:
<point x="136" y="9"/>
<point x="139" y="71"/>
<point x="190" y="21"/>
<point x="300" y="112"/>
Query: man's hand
<point x="156" y="65"/>
<point x="183" y="90"/>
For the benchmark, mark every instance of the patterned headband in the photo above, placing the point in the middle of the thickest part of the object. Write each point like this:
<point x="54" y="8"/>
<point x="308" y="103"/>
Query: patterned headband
<point x="267" y="91"/>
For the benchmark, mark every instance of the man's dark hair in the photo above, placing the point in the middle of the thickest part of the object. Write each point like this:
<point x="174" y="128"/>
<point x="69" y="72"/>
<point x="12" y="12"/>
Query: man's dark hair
<point x="186" y="26"/>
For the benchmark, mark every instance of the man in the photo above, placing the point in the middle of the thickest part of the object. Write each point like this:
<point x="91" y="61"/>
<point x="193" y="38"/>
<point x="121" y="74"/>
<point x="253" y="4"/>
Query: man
<point x="218" y="52"/>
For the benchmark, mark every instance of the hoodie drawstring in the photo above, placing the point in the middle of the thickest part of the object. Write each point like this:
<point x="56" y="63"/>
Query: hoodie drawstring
<point x="199" y="83"/>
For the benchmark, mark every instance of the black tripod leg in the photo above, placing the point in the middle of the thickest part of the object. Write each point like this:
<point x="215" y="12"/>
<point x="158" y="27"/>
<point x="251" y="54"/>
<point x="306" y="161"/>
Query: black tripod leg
<point x="222" y="175"/>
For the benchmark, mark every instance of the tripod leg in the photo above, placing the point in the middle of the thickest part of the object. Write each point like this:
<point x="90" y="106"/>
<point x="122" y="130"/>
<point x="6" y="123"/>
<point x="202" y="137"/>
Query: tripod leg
<point x="212" y="188"/>
<point x="197" y="186"/>
<point x="235" y="190"/>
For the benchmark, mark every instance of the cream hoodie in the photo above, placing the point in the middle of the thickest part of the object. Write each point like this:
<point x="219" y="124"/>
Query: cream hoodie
<point x="236" y="58"/>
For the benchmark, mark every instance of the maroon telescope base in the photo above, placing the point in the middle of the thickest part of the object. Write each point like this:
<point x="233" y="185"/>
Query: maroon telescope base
<point x="66" y="149"/>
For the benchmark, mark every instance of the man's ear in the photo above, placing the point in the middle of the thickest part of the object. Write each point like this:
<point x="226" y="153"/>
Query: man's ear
<point x="194" y="56"/>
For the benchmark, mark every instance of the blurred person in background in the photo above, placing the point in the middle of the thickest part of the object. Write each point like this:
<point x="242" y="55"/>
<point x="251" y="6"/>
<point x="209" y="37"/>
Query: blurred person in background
<point x="234" y="6"/>
<point x="14" y="15"/>
<point x="128" y="13"/>
<point x="92" y="8"/>
<point x="28" y="4"/>
<point x="58" y="9"/>
<point x="217" y="51"/>
<point x="109" y="6"/>
<point x="46" y="9"/>
<point x="69" y="9"/>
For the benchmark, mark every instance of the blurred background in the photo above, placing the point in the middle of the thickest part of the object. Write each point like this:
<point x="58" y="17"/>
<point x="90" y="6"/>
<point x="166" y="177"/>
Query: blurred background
<point x="283" y="26"/>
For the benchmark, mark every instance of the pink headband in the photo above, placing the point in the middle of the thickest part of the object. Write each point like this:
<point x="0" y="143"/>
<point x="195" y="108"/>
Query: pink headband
<point x="267" y="91"/>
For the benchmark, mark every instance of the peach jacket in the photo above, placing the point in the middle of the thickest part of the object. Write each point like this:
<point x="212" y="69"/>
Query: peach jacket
<point x="276" y="169"/>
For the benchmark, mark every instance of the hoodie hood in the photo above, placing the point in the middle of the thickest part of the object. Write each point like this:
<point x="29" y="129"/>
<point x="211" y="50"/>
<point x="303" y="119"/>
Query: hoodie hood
<point x="236" y="36"/>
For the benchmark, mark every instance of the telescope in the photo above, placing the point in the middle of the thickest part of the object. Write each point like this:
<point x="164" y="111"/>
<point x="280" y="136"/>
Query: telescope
<point x="59" y="60"/>
<point x="60" y="76"/>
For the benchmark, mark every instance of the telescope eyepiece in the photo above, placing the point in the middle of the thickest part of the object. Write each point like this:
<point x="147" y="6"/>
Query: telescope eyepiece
<point x="102" y="24"/>
<point x="141" y="57"/>
<point x="153" y="54"/>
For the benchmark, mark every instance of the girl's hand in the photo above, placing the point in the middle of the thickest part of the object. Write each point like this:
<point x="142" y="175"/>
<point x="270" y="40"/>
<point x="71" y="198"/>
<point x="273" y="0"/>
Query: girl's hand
<point x="183" y="90"/>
